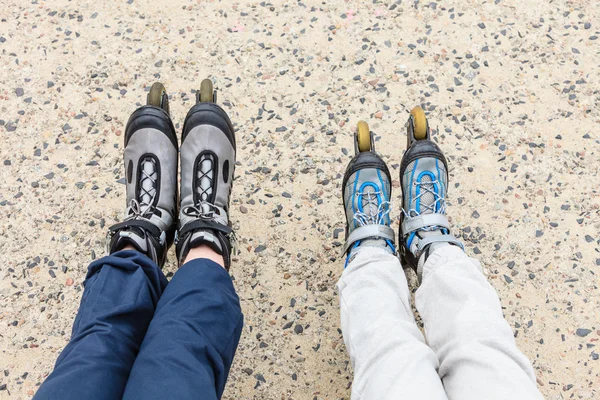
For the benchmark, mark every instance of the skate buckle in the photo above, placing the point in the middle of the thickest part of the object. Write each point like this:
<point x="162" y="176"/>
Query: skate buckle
<point x="109" y="236"/>
<point x="233" y="241"/>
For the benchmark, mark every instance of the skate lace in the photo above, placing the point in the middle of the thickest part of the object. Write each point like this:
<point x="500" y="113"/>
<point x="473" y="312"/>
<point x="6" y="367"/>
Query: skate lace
<point x="437" y="206"/>
<point x="377" y="211"/>
<point x="135" y="210"/>
<point x="141" y="208"/>
<point x="203" y="210"/>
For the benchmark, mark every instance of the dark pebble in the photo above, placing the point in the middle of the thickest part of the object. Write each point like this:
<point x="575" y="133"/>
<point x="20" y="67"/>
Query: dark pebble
<point x="507" y="279"/>
<point x="336" y="233"/>
<point x="298" y="329"/>
<point x="582" y="332"/>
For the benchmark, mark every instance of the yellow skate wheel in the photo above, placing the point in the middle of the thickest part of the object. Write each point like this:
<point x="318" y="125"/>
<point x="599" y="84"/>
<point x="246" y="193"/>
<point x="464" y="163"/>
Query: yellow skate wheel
<point x="363" y="136"/>
<point x="206" y="91"/>
<point x="419" y="123"/>
<point x="158" y="97"/>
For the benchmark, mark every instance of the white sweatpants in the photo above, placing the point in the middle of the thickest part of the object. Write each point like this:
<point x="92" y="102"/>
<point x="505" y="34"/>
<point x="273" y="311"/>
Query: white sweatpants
<point x="470" y="351"/>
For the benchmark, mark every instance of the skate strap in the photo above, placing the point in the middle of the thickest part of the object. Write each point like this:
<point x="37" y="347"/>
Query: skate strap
<point x="422" y="243"/>
<point x="203" y="225"/>
<point x="423" y="221"/>
<point x="374" y="231"/>
<point x="149" y="227"/>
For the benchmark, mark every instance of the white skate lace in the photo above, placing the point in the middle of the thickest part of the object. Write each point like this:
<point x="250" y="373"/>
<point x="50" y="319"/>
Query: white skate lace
<point x="439" y="203"/>
<point x="377" y="212"/>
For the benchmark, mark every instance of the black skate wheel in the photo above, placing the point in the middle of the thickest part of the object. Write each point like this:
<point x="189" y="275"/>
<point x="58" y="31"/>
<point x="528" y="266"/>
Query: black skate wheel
<point x="207" y="93"/>
<point x="364" y="138"/>
<point x="158" y="97"/>
<point x="419" y="121"/>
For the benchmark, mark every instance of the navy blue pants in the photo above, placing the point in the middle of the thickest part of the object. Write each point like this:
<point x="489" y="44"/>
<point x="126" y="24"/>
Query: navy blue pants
<point x="137" y="337"/>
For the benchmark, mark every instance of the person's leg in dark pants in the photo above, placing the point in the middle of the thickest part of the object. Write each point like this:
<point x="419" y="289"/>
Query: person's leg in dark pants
<point x="120" y="296"/>
<point x="122" y="290"/>
<point x="192" y="339"/>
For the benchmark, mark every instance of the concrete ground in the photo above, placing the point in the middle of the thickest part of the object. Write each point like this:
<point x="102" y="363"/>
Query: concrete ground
<point x="511" y="86"/>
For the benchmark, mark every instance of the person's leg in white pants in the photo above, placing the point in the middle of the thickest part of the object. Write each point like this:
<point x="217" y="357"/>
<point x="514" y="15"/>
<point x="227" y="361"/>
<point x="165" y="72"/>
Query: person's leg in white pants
<point x="387" y="350"/>
<point x="472" y="353"/>
<point x="478" y="357"/>
<point x="464" y="325"/>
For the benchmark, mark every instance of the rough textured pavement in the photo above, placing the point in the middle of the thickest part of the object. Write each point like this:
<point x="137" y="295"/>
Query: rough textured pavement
<point x="512" y="87"/>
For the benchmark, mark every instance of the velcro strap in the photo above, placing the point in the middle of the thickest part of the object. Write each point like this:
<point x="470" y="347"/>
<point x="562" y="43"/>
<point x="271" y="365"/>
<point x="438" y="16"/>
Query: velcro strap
<point x="203" y="225"/>
<point x="438" y="239"/>
<point x="423" y="221"/>
<point x="369" y="232"/>
<point x="149" y="227"/>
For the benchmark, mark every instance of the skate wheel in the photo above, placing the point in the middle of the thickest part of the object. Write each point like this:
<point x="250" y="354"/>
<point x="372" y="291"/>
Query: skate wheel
<point x="363" y="137"/>
<point x="206" y="94"/>
<point x="158" y="97"/>
<point x="419" y="121"/>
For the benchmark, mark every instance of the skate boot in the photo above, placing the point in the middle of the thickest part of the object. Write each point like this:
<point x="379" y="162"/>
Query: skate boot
<point x="424" y="180"/>
<point x="366" y="194"/>
<point x="151" y="173"/>
<point x="207" y="169"/>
